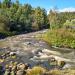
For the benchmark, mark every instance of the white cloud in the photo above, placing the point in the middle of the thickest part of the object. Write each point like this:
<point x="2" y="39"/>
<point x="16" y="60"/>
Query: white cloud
<point x="71" y="9"/>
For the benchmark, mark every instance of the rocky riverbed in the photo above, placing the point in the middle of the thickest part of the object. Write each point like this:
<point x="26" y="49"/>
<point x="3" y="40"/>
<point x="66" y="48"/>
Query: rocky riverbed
<point x="30" y="50"/>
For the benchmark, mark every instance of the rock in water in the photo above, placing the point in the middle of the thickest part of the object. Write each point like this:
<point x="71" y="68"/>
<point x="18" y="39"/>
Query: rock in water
<point x="66" y="66"/>
<point x="20" y="72"/>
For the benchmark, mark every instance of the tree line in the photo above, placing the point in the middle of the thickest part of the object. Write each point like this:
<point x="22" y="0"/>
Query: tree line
<point x="17" y="18"/>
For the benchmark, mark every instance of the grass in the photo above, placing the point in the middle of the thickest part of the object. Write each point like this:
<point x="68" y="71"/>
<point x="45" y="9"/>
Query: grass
<point x="37" y="70"/>
<point x="60" y="38"/>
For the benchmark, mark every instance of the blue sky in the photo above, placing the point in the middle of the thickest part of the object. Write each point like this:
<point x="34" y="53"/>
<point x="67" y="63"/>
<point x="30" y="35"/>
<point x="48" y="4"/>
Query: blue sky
<point x="47" y="4"/>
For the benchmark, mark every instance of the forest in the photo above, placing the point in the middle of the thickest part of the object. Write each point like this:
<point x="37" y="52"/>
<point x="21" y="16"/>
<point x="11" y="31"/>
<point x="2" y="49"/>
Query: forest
<point x="16" y="18"/>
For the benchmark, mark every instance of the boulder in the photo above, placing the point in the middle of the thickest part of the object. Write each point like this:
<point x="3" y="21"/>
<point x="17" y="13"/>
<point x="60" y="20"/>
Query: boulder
<point x="12" y="53"/>
<point x="7" y="72"/>
<point x="21" y="66"/>
<point x="20" y="72"/>
<point x="66" y="66"/>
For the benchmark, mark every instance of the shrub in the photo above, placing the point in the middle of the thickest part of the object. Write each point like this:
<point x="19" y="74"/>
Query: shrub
<point x="36" y="71"/>
<point x="60" y="38"/>
<point x="55" y="72"/>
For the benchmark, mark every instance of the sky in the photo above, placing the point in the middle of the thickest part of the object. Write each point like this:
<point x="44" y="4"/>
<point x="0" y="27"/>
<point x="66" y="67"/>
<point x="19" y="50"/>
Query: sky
<point x="62" y="5"/>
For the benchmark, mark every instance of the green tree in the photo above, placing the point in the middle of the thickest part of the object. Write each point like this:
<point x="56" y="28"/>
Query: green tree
<point x="25" y="18"/>
<point x="54" y="19"/>
<point x="40" y="18"/>
<point x="6" y="3"/>
<point x="69" y="24"/>
<point x="16" y="5"/>
<point x="0" y="4"/>
<point x="4" y="23"/>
